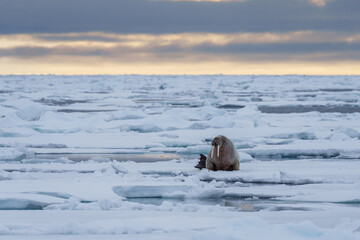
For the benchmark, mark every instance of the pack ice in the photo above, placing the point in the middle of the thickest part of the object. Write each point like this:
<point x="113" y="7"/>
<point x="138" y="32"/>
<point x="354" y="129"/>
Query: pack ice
<point x="89" y="157"/>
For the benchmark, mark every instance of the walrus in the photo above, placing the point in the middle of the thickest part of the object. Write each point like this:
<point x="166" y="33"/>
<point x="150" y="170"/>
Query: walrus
<point x="222" y="156"/>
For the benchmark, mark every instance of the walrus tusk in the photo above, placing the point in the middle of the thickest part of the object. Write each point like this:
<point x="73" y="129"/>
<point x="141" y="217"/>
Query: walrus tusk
<point x="212" y="152"/>
<point x="218" y="150"/>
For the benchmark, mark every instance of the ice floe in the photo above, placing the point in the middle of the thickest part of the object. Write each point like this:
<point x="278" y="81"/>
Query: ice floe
<point x="89" y="157"/>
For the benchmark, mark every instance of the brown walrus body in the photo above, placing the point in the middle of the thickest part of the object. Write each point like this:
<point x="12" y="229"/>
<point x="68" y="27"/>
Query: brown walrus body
<point x="223" y="155"/>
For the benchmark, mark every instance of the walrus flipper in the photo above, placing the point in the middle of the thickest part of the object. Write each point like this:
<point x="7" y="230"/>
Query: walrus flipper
<point x="202" y="162"/>
<point x="211" y="166"/>
<point x="230" y="168"/>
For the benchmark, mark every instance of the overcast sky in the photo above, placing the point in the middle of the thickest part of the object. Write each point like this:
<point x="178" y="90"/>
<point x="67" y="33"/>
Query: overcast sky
<point x="190" y="37"/>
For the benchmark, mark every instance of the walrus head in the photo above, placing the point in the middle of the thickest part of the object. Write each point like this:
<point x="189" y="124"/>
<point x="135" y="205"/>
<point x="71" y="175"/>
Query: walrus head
<point x="216" y="143"/>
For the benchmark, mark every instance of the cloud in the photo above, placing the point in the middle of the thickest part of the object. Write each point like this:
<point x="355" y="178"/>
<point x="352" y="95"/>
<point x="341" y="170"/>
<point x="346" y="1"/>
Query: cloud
<point x="218" y="1"/>
<point x="185" y="39"/>
<point x="353" y="39"/>
<point x="182" y="47"/>
<point x="319" y="3"/>
<point x="160" y="17"/>
<point x="141" y="36"/>
<point x="303" y="52"/>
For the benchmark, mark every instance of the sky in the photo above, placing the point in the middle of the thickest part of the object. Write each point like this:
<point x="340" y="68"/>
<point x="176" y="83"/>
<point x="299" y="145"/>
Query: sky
<point x="317" y="37"/>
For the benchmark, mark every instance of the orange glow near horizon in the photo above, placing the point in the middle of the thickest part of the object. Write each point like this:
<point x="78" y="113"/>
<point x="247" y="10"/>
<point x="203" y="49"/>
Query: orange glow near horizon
<point x="227" y="68"/>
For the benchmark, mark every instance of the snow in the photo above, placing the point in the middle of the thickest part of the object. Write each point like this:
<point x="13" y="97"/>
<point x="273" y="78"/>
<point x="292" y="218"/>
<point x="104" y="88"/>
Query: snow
<point x="11" y="154"/>
<point x="89" y="157"/>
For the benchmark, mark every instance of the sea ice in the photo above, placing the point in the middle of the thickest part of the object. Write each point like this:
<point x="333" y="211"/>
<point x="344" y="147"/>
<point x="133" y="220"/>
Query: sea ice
<point x="89" y="157"/>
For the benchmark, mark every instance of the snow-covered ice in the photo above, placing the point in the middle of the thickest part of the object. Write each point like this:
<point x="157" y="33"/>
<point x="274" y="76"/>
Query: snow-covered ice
<point x="89" y="157"/>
